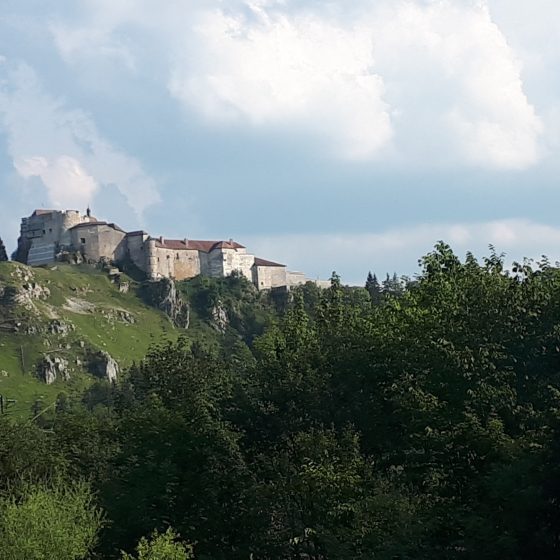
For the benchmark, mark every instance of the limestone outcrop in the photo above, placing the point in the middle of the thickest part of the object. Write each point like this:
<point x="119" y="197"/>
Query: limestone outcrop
<point x="51" y="368"/>
<point x="163" y="294"/>
<point x="60" y="327"/>
<point x="220" y="319"/>
<point x="30" y="291"/>
<point x="103" y="365"/>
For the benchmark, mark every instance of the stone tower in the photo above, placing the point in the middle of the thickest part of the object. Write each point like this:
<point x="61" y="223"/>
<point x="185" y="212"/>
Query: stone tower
<point x="151" y="260"/>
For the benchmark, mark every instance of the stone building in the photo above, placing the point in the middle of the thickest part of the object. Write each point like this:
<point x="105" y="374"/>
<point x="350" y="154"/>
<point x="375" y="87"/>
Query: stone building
<point x="48" y="233"/>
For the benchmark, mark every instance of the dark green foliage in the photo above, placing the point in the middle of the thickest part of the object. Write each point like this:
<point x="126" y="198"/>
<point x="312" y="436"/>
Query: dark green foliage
<point x="3" y="253"/>
<point x="373" y="288"/>
<point x="321" y="426"/>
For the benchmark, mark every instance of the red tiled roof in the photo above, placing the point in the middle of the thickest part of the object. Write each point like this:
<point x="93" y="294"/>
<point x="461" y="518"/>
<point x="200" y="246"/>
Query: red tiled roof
<point x="263" y="262"/>
<point x="227" y="245"/>
<point x="196" y="245"/>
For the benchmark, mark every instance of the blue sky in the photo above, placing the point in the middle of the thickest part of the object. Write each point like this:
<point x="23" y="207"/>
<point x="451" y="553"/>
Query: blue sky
<point x="324" y="136"/>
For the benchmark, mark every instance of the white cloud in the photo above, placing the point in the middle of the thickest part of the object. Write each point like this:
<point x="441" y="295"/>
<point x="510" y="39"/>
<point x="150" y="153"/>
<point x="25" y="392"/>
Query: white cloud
<point x="66" y="181"/>
<point x="452" y="72"/>
<point x="274" y="69"/>
<point x="352" y="255"/>
<point x="432" y="81"/>
<point x="77" y="44"/>
<point x="64" y="149"/>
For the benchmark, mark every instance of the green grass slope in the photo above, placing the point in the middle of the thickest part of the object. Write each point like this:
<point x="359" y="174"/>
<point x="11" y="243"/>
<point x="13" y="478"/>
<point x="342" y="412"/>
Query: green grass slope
<point x="93" y="311"/>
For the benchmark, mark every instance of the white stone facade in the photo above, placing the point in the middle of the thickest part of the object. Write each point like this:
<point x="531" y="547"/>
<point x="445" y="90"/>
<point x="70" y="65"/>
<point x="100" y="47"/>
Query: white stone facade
<point x="46" y="233"/>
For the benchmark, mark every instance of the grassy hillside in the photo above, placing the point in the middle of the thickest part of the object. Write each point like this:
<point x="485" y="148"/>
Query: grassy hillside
<point x="72" y="311"/>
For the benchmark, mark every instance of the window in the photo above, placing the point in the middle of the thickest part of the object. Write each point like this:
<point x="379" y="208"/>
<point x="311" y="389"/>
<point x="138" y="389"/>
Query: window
<point x="177" y="256"/>
<point x="50" y="230"/>
<point x="83" y="240"/>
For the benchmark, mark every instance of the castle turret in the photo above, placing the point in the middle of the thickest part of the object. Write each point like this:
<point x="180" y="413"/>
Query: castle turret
<point x="151" y="260"/>
<point x="68" y="220"/>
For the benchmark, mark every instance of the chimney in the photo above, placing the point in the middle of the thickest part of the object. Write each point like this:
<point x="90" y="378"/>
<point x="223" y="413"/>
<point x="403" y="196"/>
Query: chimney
<point x="186" y="242"/>
<point x="161" y="239"/>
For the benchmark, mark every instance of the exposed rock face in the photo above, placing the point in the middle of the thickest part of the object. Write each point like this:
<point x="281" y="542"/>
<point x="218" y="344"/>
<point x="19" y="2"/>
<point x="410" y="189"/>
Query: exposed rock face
<point x="124" y="287"/>
<point x="30" y="291"/>
<point x="71" y="257"/>
<point x="120" y="315"/>
<point x="163" y="294"/>
<point x="22" y="273"/>
<point x="52" y="368"/>
<point x="59" y="327"/>
<point x="103" y="365"/>
<point x="80" y="306"/>
<point x="125" y="317"/>
<point x="220" y="319"/>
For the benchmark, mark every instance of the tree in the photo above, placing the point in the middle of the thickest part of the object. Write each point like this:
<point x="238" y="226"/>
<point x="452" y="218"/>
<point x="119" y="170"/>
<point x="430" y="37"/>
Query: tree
<point x="161" y="547"/>
<point x="392" y="285"/>
<point x="49" y="521"/>
<point x="3" y="253"/>
<point x="373" y="287"/>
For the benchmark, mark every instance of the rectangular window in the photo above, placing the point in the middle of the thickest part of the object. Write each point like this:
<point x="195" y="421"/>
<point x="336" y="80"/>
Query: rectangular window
<point x="83" y="240"/>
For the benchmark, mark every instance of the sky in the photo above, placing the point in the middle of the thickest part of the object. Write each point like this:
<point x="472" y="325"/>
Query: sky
<point x="326" y="135"/>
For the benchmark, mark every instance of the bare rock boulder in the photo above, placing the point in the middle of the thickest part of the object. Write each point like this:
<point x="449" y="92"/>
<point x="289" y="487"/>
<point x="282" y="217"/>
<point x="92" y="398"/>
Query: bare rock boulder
<point x="51" y="368"/>
<point x="103" y="365"/>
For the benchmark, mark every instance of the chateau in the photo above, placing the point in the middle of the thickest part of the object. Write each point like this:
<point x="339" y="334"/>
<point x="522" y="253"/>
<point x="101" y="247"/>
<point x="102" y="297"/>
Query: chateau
<point x="47" y="234"/>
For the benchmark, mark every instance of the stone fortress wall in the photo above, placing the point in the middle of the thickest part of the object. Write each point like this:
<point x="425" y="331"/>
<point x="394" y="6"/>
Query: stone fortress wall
<point x="47" y="233"/>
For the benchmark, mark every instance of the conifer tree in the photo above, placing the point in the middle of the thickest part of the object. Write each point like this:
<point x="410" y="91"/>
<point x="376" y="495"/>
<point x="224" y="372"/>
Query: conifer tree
<point x="3" y="254"/>
<point x="373" y="287"/>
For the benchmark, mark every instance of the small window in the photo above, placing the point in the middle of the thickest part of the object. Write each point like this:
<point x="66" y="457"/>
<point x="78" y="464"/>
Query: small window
<point x="50" y="230"/>
<point x="83" y="240"/>
<point x="177" y="256"/>
<point x="44" y="232"/>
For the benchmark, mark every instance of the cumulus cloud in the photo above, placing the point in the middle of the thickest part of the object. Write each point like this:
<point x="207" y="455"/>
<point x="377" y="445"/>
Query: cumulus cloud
<point x="66" y="181"/>
<point x="399" y="249"/>
<point x="276" y="69"/>
<point x="452" y="73"/>
<point x="63" y="148"/>
<point x="438" y="80"/>
<point x="441" y="73"/>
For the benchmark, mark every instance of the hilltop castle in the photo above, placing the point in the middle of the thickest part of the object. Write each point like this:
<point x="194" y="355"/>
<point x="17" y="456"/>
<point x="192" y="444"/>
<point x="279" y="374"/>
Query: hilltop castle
<point x="46" y="234"/>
